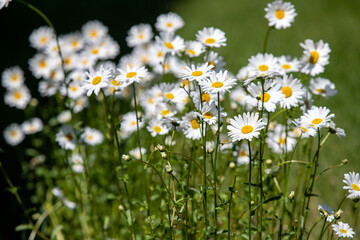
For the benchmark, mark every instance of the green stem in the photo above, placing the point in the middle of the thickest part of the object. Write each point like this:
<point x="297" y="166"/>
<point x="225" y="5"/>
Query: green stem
<point x="249" y="196"/>
<point x="217" y="156"/>
<point x="232" y="190"/>
<point x="205" y="181"/>
<point x="137" y="121"/>
<point x="266" y="39"/>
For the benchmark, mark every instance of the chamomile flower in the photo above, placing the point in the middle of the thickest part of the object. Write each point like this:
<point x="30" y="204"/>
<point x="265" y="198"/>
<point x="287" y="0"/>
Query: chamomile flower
<point x="41" y="66"/>
<point x="241" y="154"/>
<point x="128" y="124"/>
<point x="278" y="142"/>
<point x="262" y="65"/>
<point x="272" y="95"/>
<point x="77" y="163"/>
<point x="209" y="113"/>
<point x="218" y="82"/>
<point x="13" y="134"/>
<point x="211" y="37"/>
<point x="323" y="87"/>
<point x="247" y="127"/>
<point x="48" y="88"/>
<point x="79" y="104"/>
<point x="317" y="117"/>
<point x="191" y="125"/>
<point x="139" y="34"/>
<point x="169" y="22"/>
<point x="334" y="130"/>
<point x="94" y="31"/>
<point x="32" y="126"/>
<point x="198" y="73"/>
<point x="172" y="93"/>
<point x="287" y="64"/>
<point x="315" y="57"/>
<point x="171" y="43"/>
<point x="343" y="230"/>
<point x="72" y="42"/>
<point x="64" y="116"/>
<point x="326" y="211"/>
<point x="193" y="48"/>
<point x="4" y="3"/>
<point x="92" y="136"/>
<point x="244" y="73"/>
<point x="19" y="97"/>
<point x="12" y="78"/>
<point x="164" y="110"/>
<point x="206" y="97"/>
<point x="156" y="127"/>
<point x="41" y="37"/>
<point x="292" y="90"/>
<point x="72" y="90"/>
<point x="214" y="59"/>
<point x="96" y="80"/>
<point x="130" y="75"/>
<point x="280" y="14"/>
<point x="238" y="95"/>
<point x="303" y="129"/>
<point x="66" y="137"/>
<point x="135" y="153"/>
<point x="352" y="180"/>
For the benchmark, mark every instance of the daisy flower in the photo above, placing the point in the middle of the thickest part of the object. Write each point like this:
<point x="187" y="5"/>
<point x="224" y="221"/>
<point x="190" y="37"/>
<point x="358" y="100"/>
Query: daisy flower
<point x="218" y="82"/>
<point x="156" y="54"/>
<point x="334" y="130"/>
<point x="32" y="126"/>
<point x="247" y="127"/>
<point x="206" y="97"/>
<point x="79" y="104"/>
<point x="128" y="124"/>
<point x="13" y="134"/>
<point x="238" y="95"/>
<point x="241" y="154"/>
<point x="303" y="129"/>
<point x="343" y="230"/>
<point x="41" y="66"/>
<point x="278" y="142"/>
<point x="72" y="90"/>
<point x="287" y="64"/>
<point x="19" y="97"/>
<point x="322" y="87"/>
<point x="191" y="126"/>
<point x="193" y="48"/>
<point x="135" y="153"/>
<point x="130" y="75"/>
<point x="172" y="93"/>
<point x="71" y="42"/>
<point x="171" y="43"/>
<point x="326" y="211"/>
<point x="156" y="127"/>
<point x="199" y="73"/>
<point x="317" y="117"/>
<point x="214" y="59"/>
<point x="96" y="80"/>
<point x="280" y="14"/>
<point x="12" y="78"/>
<point x="4" y="3"/>
<point x="94" y="31"/>
<point x="77" y="163"/>
<point x="292" y="90"/>
<point x="64" y="116"/>
<point x="92" y="136"/>
<point x="41" y="37"/>
<point x="272" y="95"/>
<point x="262" y="65"/>
<point x="315" y="57"/>
<point x="66" y="137"/>
<point x="139" y="34"/>
<point x="164" y="110"/>
<point x="211" y="37"/>
<point x="244" y="73"/>
<point x="169" y="22"/>
<point x="352" y="180"/>
<point x="209" y="113"/>
<point x="48" y="88"/>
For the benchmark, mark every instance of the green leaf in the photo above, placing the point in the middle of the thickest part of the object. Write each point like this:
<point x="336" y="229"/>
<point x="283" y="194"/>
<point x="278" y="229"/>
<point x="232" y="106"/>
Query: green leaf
<point x="195" y="190"/>
<point x="23" y="227"/>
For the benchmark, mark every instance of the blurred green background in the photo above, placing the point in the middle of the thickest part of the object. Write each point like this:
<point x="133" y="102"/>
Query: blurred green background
<point x="243" y="21"/>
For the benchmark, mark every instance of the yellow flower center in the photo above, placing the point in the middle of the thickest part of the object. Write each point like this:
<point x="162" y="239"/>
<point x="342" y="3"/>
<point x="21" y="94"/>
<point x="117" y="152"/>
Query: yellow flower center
<point x="314" y="57"/>
<point x="280" y="14"/>
<point x="150" y="100"/>
<point x="94" y="51"/>
<point x="282" y="140"/>
<point x="169" y="24"/>
<point x="93" y="33"/>
<point x="17" y="95"/>
<point x="42" y="64"/>
<point x="304" y="129"/>
<point x="169" y="96"/>
<point x="355" y="187"/>
<point x="73" y="88"/>
<point x="85" y="62"/>
<point x="90" y="137"/>
<point x="96" y="80"/>
<point x="159" y="54"/>
<point x="320" y="90"/>
<point x="242" y="153"/>
<point x="75" y="43"/>
<point x="186" y="100"/>
<point x="343" y="230"/>
<point x="197" y="73"/>
<point x="165" y="112"/>
<point x="133" y="123"/>
<point x="217" y="84"/>
<point x="317" y="121"/>
<point x="210" y="40"/>
<point x="286" y="66"/>
<point x="191" y="52"/>
<point x="157" y="129"/>
<point x="166" y="66"/>
<point x="131" y="74"/>
<point x="13" y="133"/>
<point x="247" y="129"/>
<point x="68" y="137"/>
<point x="266" y="97"/>
<point x="186" y="82"/>
<point x="111" y="89"/>
<point x="44" y="40"/>
<point x="212" y="63"/>
<point x="67" y="61"/>
<point x="287" y="91"/>
<point x="14" y="78"/>
<point x="205" y="97"/>
<point x="194" y="123"/>
<point x="141" y="36"/>
<point x="208" y="115"/>
<point x="169" y="45"/>
<point x="263" y="67"/>
<point x="115" y="83"/>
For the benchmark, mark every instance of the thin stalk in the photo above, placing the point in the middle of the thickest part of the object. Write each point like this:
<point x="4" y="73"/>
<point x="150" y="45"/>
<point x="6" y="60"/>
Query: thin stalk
<point x="322" y="229"/>
<point x="204" y="180"/>
<point x="229" y="212"/>
<point x="217" y="156"/>
<point x="137" y="121"/>
<point x="266" y="39"/>
<point x="249" y="196"/>
<point x="313" y="227"/>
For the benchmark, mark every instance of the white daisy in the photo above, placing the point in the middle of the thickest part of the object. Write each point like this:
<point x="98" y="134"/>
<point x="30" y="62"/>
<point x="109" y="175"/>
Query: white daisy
<point x="77" y="163"/>
<point x="326" y="211"/>
<point x="238" y="95"/>
<point x="241" y="154"/>
<point x="96" y="80"/>
<point x="193" y="48"/>
<point x="171" y="43"/>
<point x="278" y="142"/>
<point x="156" y="127"/>
<point x="48" y="88"/>
<point x="169" y="22"/>
<point x="191" y="125"/>
<point x="79" y="104"/>
<point x="4" y="3"/>
<point x="292" y="90"/>
<point x="135" y="153"/>
<point x="130" y="75"/>
<point x="244" y="73"/>
<point x="206" y="97"/>
<point x="209" y="113"/>
<point x="139" y="34"/>
<point x="12" y="78"/>
<point x="39" y="38"/>
<point x="199" y="73"/>
<point x="343" y="230"/>
<point x="13" y="134"/>
<point x="352" y="180"/>
<point x="164" y="110"/>
<point x="214" y="59"/>
<point x="128" y="124"/>
<point x="287" y="64"/>
<point x="315" y="57"/>
<point x="66" y="137"/>
<point x="19" y="97"/>
<point x="72" y="42"/>
<point x="333" y="129"/>
<point x="262" y="65"/>
<point x="280" y="14"/>
<point x="317" y="117"/>
<point x="64" y="116"/>
<point x="218" y="82"/>
<point x="323" y="87"/>
<point x="303" y="129"/>
<point x="41" y="66"/>
<point x="94" y="31"/>
<point x="92" y="136"/>
<point x="32" y="126"/>
<point x="211" y="37"/>
<point x="245" y="127"/>
<point x="72" y="90"/>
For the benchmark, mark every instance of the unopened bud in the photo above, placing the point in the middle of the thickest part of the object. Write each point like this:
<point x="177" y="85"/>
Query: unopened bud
<point x="252" y="203"/>
<point x="182" y="85"/>
<point x="126" y="157"/>
<point x="268" y="161"/>
<point x="338" y="214"/>
<point x="163" y="155"/>
<point x="161" y="148"/>
<point x="34" y="102"/>
<point x="210" y="146"/>
<point x="345" y="161"/>
<point x="121" y="208"/>
<point x="291" y="195"/>
<point x="232" y="165"/>
<point x="168" y="168"/>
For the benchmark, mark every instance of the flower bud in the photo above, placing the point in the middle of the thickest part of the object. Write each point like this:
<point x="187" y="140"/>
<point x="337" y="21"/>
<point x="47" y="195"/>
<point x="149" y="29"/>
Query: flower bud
<point x="168" y="168"/>
<point x="232" y="165"/>
<point x="268" y="161"/>
<point x="161" y="148"/>
<point x="210" y="146"/>
<point x="291" y="195"/>
<point x="163" y="155"/>
<point x="345" y="161"/>
<point x="252" y="203"/>
<point x="126" y="157"/>
<point x="338" y="214"/>
<point x="182" y="85"/>
<point x="121" y="208"/>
